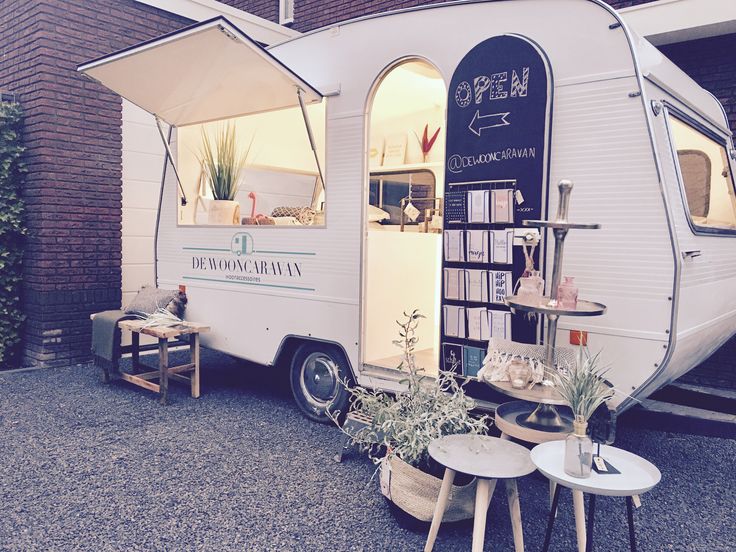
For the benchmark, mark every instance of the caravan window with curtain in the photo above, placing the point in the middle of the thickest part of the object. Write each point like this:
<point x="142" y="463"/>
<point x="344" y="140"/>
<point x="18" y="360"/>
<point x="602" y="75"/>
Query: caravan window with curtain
<point x="707" y="180"/>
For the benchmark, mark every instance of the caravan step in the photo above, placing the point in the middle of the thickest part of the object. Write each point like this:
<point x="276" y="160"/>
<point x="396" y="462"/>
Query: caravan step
<point x="699" y="397"/>
<point x="682" y="418"/>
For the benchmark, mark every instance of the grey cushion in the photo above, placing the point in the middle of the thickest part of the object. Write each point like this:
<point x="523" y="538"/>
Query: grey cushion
<point x="150" y="298"/>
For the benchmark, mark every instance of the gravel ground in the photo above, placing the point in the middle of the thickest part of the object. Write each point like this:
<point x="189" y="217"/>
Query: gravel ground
<point x="88" y="466"/>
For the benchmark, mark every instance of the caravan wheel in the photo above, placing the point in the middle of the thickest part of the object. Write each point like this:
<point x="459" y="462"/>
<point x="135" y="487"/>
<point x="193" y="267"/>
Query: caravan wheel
<point x="316" y="371"/>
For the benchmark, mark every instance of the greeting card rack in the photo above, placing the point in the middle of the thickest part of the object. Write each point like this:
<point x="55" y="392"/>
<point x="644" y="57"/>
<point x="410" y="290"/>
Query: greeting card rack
<point x="545" y="416"/>
<point x="463" y="349"/>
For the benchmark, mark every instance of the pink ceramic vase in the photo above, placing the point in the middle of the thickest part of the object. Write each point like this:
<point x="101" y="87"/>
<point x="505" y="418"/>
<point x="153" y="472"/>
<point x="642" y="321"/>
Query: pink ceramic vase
<point x="567" y="294"/>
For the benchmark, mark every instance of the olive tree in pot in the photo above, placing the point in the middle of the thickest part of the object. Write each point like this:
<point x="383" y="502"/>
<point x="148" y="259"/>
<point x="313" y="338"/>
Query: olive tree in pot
<point x="221" y="167"/>
<point x="403" y="426"/>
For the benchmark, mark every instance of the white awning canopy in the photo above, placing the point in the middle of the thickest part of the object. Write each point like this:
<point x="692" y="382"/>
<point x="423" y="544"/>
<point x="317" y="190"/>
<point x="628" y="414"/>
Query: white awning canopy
<point x="206" y="72"/>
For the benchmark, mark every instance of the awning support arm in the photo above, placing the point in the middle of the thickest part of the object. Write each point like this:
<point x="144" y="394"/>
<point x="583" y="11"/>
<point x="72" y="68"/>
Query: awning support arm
<point x="303" y="107"/>
<point x="170" y="157"/>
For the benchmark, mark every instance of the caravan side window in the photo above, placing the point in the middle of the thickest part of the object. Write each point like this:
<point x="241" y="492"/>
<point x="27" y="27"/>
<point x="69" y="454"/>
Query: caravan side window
<point x="706" y="178"/>
<point x="279" y="184"/>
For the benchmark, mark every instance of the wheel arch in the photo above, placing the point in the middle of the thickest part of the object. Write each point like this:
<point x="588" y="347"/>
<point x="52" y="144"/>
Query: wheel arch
<point x="291" y="343"/>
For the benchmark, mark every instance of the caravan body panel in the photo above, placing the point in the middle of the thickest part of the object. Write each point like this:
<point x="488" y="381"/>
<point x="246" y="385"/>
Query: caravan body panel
<point x="601" y="139"/>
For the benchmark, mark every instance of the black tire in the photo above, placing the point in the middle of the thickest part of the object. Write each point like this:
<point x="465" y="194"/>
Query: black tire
<point x="315" y="370"/>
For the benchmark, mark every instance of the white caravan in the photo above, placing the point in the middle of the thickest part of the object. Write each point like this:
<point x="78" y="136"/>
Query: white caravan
<point x="344" y="201"/>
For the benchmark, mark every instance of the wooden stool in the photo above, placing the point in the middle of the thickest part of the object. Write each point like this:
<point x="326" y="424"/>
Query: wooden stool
<point x="165" y="372"/>
<point x="488" y="459"/>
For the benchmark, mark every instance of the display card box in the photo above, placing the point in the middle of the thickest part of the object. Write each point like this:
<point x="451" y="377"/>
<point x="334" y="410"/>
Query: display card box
<point x="502" y="206"/>
<point x="455" y="284"/>
<point x="502" y="246"/>
<point x="476" y="285"/>
<point x="478" y="206"/>
<point x="472" y="361"/>
<point x="500" y="286"/>
<point x="455" y="206"/>
<point x="454" y="245"/>
<point x="452" y="358"/>
<point x="454" y="321"/>
<point x="499" y="323"/>
<point x="477" y="246"/>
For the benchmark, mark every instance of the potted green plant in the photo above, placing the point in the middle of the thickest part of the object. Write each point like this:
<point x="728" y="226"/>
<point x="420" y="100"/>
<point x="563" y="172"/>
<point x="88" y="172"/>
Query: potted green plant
<point x="403" y="426"/>
<point x="583" y="388"/>
<point x="222" y="164"/>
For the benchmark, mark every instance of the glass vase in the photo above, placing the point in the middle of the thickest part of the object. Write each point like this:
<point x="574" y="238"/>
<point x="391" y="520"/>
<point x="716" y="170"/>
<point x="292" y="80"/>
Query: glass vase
<point x="531" y="288"/>
<point x="567" y="294"/>
<point x="578" y="451"/>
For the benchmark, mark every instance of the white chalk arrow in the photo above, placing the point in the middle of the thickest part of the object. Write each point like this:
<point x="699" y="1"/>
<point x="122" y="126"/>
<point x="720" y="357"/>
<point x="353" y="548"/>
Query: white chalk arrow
<point x="493" y="120"/>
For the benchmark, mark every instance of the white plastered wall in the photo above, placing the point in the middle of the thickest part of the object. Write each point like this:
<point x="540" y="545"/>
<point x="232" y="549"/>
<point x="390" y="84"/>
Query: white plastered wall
<point x="143" y="158"/>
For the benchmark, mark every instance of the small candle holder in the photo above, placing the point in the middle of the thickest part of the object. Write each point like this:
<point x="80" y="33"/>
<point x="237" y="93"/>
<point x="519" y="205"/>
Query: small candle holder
<point x="519" y="373"/>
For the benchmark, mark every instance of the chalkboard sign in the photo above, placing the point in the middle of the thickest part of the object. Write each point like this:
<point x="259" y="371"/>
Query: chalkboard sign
<point x="498" y="127"/>
<point x="497" y="116"/>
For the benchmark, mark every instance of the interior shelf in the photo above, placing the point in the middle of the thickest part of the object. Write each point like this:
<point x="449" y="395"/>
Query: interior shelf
<point x="405" y="167"/>
<point x="584" y="308"/>
<point x="561" y="225"/>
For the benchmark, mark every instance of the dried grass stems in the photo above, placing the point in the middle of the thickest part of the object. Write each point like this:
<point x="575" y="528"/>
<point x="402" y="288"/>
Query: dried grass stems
<point x="221" y="162"/>
<point x="583" y="385"/>
<point x="161" y="318"/>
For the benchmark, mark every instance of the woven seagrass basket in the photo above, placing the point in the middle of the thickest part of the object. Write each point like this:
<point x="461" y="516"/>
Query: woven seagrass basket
<point x="416" y="492"/>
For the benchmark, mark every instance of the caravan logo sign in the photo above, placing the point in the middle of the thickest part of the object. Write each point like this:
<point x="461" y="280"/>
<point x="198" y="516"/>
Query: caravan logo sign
<point x="242" y="244"/>
<point x="241" y="263"/>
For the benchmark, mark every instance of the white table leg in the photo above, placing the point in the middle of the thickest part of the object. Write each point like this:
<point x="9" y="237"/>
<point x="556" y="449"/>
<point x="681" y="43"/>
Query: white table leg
<point x="512" y="495"/>
<point x="439" y="508"/>
<point x="578" y="502"/>
<point x="482" y="500"/>
<point x="552" y="487"/>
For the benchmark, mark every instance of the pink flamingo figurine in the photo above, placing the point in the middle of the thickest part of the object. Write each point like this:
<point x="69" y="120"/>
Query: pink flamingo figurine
<point x="252" y="196"/>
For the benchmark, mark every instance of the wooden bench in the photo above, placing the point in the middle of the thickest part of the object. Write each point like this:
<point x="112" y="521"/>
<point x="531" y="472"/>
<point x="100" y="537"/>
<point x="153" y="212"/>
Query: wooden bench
<point x="164" y="372"/>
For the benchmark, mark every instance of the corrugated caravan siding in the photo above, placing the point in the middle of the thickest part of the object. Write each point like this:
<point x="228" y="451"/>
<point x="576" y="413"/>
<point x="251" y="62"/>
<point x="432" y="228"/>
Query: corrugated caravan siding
<point x="704" y="278"/>
<point x="600" y="141"/>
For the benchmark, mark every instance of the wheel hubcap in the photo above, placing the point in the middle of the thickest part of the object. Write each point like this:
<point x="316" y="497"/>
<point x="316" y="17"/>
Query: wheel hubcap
<point x="319" y="379"/>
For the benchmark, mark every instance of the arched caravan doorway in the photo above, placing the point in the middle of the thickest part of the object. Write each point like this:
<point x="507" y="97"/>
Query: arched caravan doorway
<point x="403" y="234"/>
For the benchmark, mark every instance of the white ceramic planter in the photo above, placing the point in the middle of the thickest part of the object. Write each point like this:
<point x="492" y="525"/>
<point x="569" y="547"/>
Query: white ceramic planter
<point x="223" y="211"/>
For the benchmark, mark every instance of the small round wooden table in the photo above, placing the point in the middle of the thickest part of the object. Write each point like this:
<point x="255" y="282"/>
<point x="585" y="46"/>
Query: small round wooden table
<point x="488" y="459"/>
<point x="636" y="477"/>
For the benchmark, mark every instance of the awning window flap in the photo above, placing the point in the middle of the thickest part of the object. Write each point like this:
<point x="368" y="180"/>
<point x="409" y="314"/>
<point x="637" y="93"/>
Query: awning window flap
<point x="207" y="72"/>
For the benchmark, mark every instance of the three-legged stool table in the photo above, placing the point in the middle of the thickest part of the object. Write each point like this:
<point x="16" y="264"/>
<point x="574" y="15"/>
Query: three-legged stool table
<point x="637" y="477"/>
<point x="488" y="459"/>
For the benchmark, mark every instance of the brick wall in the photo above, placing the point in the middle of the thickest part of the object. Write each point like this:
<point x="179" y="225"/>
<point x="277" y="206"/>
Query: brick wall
<point x="711" y="63"/>
<point x="267" y="9"/>
<point x="73" y="188"/>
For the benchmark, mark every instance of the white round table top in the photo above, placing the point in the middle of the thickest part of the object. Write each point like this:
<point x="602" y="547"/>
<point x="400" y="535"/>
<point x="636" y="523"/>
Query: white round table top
<point x="637" y="474"/>
<point x="482" y="456"/>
